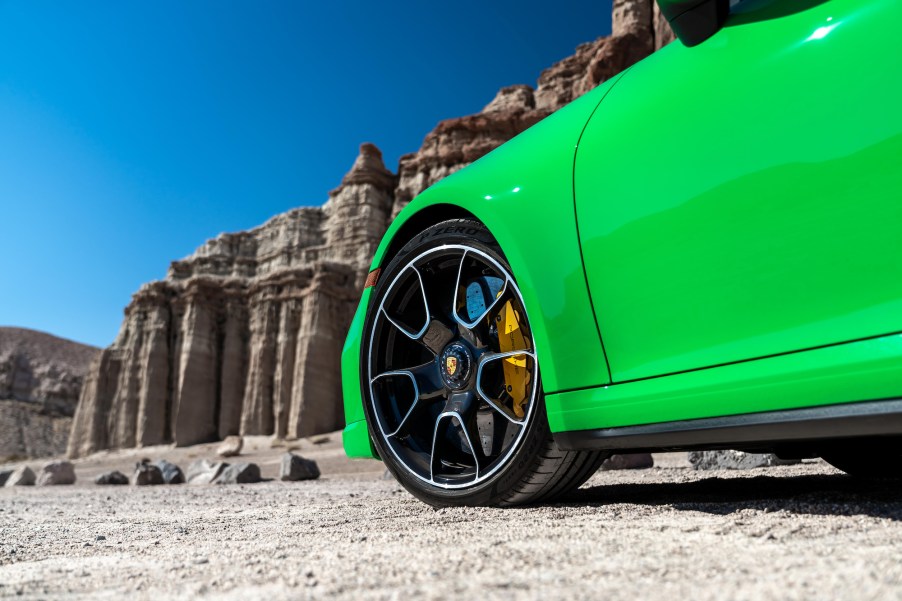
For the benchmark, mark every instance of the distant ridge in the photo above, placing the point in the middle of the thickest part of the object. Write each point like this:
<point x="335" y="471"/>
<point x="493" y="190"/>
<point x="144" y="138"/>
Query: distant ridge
<point x="41" y="377"/>
<point x="47" y="347"/>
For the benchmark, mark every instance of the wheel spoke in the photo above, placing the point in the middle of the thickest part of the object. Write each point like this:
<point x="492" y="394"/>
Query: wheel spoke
<point x="418" y="334"/>
<point x="427" y="385"/>
<point x="472" y="324"/>
<point x="461" y="408"/>
<point x="444" y="421"/>
<point x="434" y="334"/>
<point x="495" y="403"/>
<point x="433" y="456"/>
<point x="469" y="436"/>
<point x="429" y="382"/>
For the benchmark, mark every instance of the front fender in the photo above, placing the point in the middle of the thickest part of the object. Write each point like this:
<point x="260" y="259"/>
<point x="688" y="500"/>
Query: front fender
<point x="523" y="193"/>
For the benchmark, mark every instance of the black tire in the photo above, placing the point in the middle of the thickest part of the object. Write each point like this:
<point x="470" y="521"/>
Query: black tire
<point x="528" y="467"/>
<point x="870" y="459"/>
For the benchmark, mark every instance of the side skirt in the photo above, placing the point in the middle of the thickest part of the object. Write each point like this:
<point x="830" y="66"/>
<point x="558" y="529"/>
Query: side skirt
<point x="748" y="431"/>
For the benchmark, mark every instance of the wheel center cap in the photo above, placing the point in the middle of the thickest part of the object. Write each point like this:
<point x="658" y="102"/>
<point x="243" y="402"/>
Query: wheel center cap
<point x="455" y="365"/>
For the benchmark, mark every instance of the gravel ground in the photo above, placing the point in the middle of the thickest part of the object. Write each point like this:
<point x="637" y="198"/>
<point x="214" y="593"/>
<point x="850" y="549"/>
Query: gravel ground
<point x="799" y="532"/>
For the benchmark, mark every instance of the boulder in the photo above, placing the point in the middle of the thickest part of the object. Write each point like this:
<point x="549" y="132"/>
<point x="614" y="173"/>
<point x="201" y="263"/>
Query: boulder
<point x="204" y="471"/>
<point x="735" y="460"/>
<point x="294" y="467"/>
<point x="22" y="476"/>
<point x="240" y="473"/>
<point x="147" y="474"/>
<point x="57" y="472"/>
<point x="629" y="461"/>
<point x="172" y="474"/>
<point x="114" y="477"/>
<point x="4" y="476"/>
<point x="230" y="447"/>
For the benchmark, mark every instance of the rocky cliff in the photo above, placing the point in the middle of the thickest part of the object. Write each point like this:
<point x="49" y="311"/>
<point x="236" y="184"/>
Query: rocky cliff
<point x="244" y="336"/>
<point x="41" y="377"/>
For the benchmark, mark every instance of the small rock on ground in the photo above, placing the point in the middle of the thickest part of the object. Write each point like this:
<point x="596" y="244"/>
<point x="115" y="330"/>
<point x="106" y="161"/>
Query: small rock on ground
<point x="204" y="471"/>
<point x="172" y="474"/>
<point x="294" y="467"/>
<point x="56" y="472"/>
<point x="735" y="460"/>
<point x="147" y="474"/>
<point x="240" y="473"/>
<point x="628" y="461"/>
<point x="22" y="476"/>
<point x="230" y="447"/>
<point x="114" y="477"/>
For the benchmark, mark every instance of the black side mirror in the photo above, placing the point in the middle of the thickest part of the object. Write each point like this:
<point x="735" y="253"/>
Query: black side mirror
<point x="694" y="21"/>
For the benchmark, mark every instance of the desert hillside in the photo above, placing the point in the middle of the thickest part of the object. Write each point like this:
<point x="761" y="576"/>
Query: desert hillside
<point x="41" y="377"/>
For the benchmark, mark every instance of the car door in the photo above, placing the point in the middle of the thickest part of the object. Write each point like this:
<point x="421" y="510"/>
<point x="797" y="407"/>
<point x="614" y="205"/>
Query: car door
<point x="743" y="198"/>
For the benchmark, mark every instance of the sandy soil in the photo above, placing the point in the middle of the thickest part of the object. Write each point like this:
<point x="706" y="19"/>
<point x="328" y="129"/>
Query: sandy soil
<point x="800" y="532"/>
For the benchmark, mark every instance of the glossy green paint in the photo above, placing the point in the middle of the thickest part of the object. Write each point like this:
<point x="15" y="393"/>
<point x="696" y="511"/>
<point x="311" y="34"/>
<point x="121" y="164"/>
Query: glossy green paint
<point x="856" y="371"/>
<point x="752" y="202"/>
<point x="355" y="438"/>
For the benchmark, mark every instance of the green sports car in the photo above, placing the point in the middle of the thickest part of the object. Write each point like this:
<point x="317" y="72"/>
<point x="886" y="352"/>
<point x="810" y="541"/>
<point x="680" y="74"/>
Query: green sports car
<point x="704" y="252"/>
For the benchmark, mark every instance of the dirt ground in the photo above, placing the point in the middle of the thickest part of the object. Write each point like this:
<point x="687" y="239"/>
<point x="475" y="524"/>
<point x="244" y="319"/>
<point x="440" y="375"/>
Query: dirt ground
<point x="799" y="532"/>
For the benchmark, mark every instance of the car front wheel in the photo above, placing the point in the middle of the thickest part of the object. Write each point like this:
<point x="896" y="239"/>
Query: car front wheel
<point x="451" y="377"/>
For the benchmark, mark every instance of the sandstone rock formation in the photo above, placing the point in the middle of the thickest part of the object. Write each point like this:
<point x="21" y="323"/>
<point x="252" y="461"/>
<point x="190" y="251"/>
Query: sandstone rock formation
<point x="244" y="336"/>
<point x="41" y="377"/>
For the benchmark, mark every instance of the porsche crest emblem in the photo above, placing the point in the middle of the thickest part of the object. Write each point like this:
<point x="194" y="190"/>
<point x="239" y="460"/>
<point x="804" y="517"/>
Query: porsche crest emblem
<point x="451" y="365"/>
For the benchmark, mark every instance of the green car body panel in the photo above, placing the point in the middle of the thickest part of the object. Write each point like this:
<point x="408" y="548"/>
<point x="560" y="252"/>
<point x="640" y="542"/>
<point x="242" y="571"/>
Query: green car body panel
<point x="739" y="206"/>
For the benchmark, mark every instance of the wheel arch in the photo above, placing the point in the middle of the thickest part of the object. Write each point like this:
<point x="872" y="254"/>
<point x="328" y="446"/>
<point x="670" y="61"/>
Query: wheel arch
<point x="548" y="271"/>
<point x="419" y="221"/>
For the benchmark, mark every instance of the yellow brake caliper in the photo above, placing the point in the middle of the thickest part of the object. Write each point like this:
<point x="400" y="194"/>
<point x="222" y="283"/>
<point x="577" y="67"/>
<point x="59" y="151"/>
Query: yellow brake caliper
<point x="516" y="374"/>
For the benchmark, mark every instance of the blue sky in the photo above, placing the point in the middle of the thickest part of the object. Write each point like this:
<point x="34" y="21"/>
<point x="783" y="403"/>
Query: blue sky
<point x="130" y="132"/>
